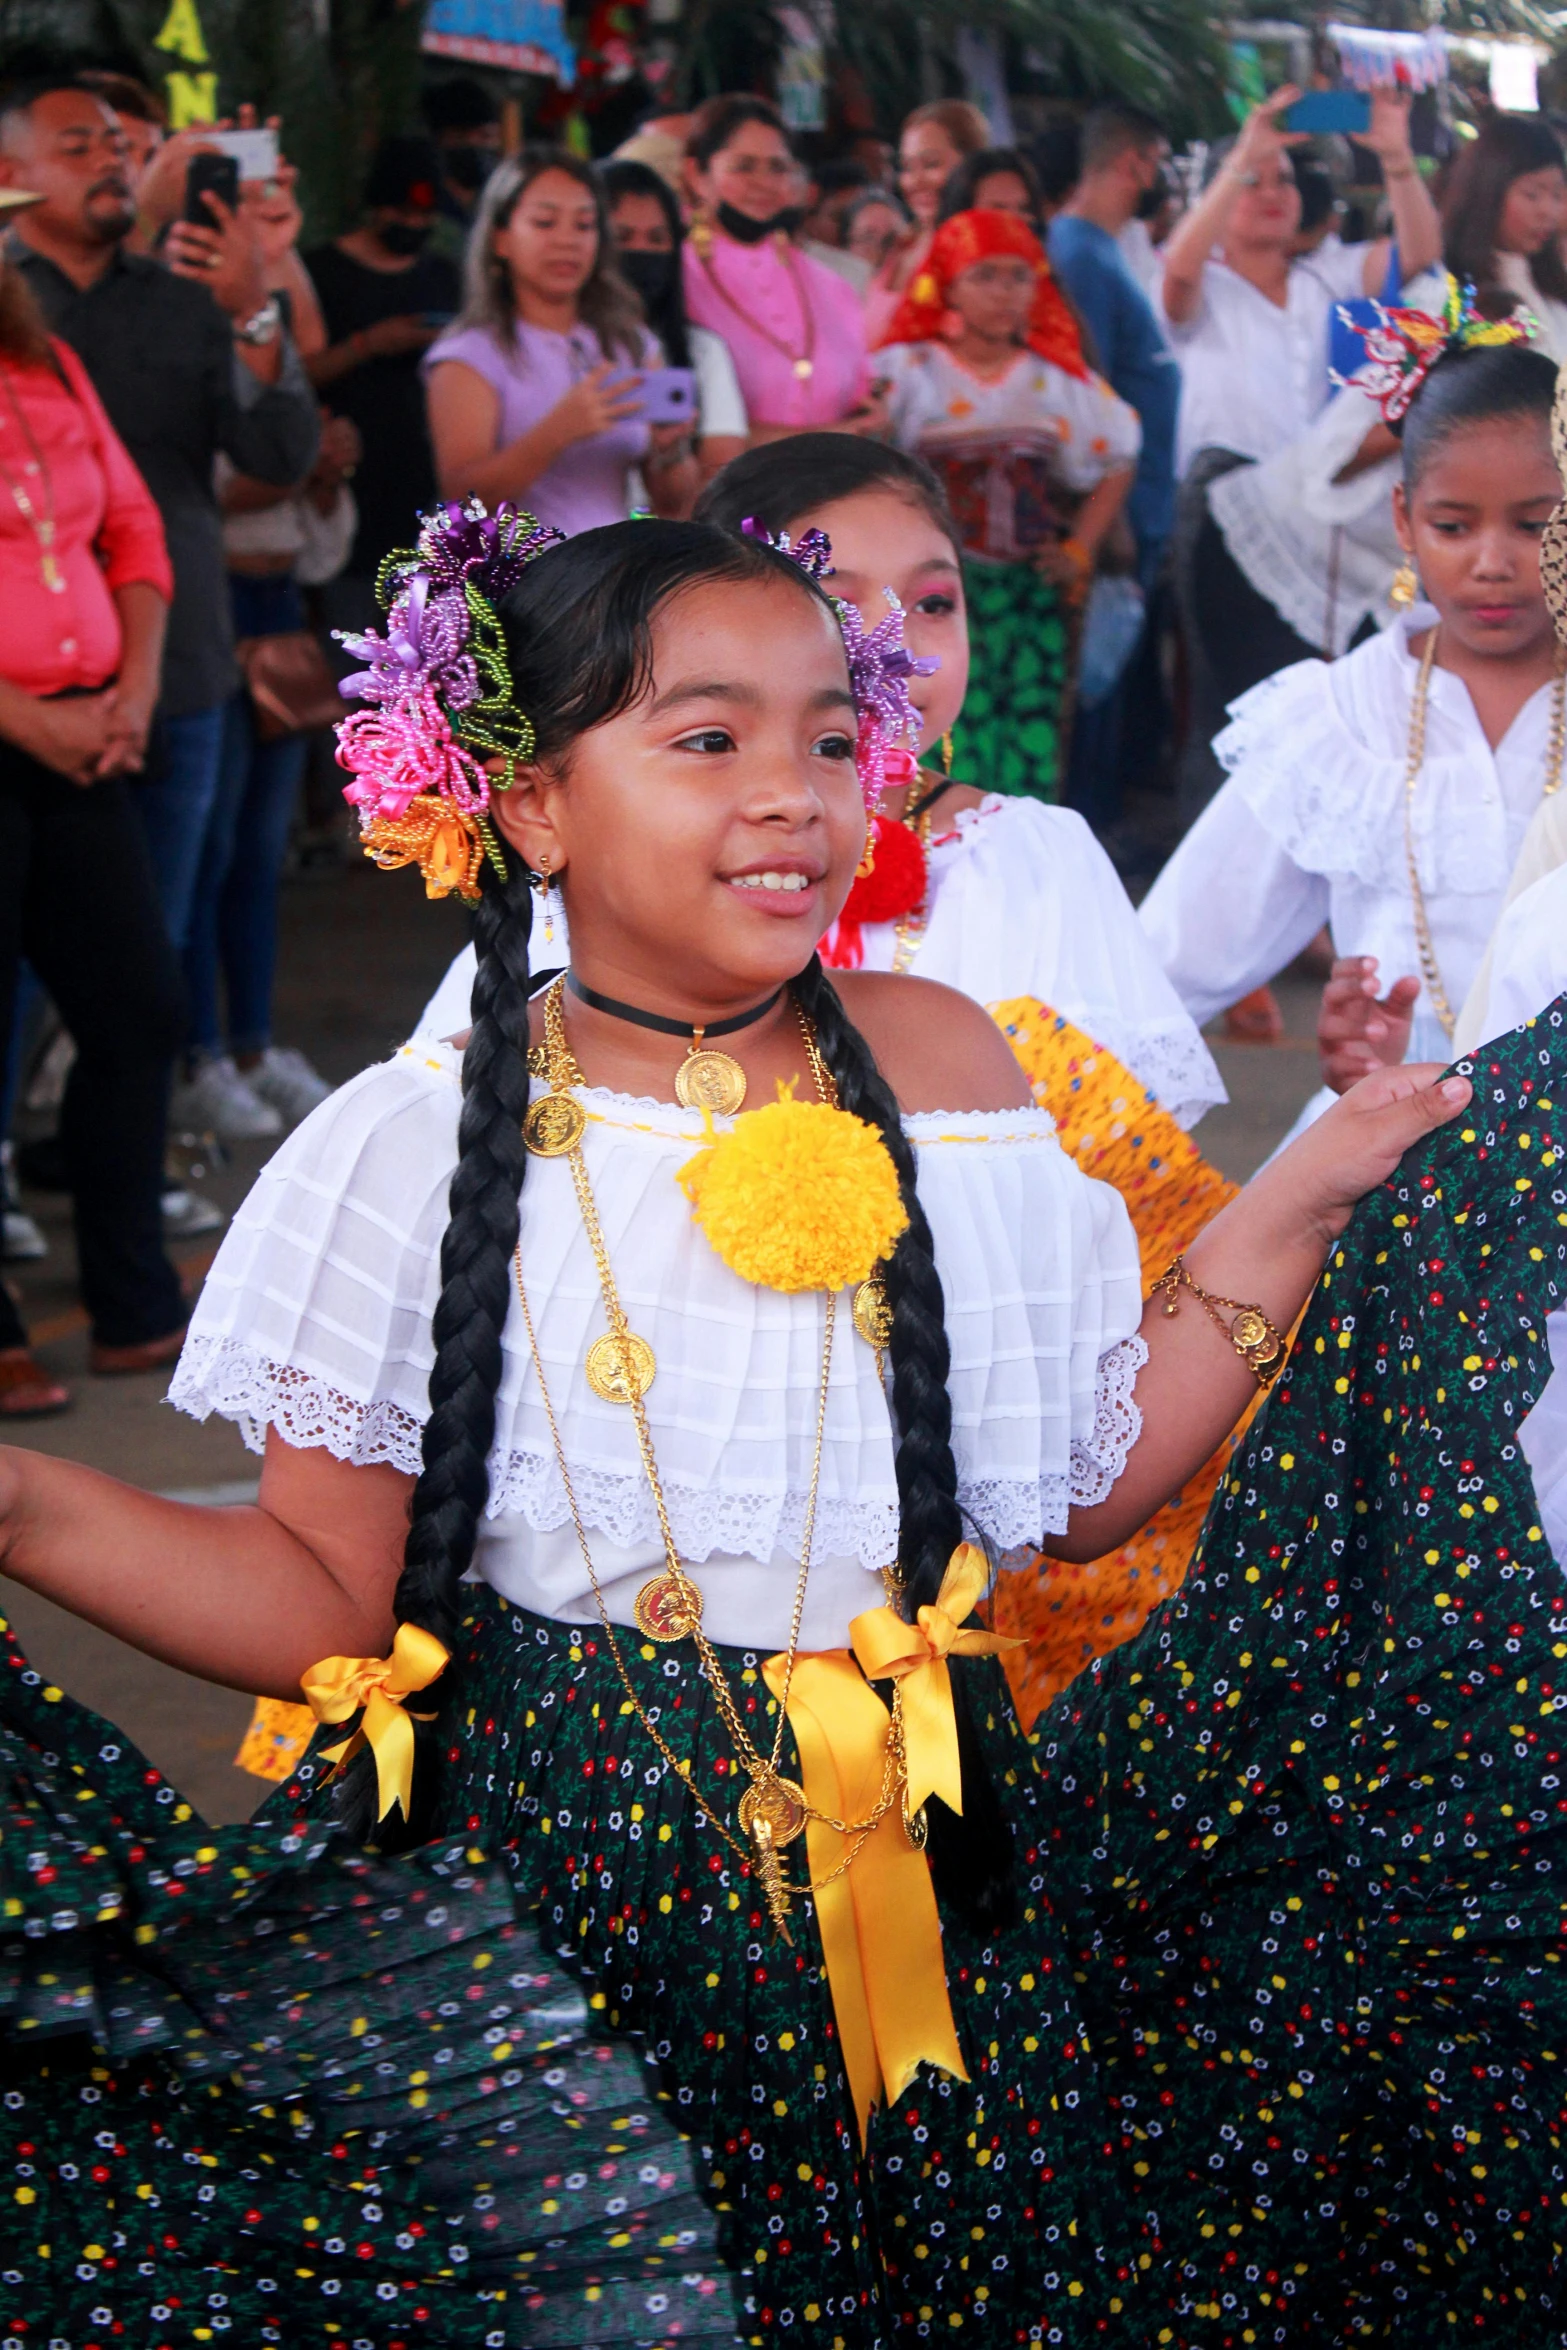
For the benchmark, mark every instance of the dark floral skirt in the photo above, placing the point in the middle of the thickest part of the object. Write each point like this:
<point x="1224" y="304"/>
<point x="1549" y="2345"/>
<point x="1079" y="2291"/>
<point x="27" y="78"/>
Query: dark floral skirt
<point x="1273" y="2055"/>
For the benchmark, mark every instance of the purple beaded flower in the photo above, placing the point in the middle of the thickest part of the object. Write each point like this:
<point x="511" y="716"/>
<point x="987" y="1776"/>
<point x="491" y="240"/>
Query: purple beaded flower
<point x="880" y="663"/>
<point x="439" y="695"/>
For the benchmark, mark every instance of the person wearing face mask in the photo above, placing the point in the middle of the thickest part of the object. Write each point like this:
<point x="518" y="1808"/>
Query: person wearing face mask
<point x="384" y="297"/>
<point x="465" y="123"/>
<point x="795" y="330"/>
<point x="649" y="233"/>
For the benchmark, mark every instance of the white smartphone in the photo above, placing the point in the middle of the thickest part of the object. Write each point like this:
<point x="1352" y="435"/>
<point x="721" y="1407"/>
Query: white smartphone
<point x="254" y="151"/>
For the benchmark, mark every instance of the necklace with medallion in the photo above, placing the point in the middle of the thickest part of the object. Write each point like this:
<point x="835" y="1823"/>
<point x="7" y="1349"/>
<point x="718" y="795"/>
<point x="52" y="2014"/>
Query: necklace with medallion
<point x="42" y="525"/>
<point x="1430" y="969"/>
<point x="802" y="362"/>
<point x="620" y="1368"/>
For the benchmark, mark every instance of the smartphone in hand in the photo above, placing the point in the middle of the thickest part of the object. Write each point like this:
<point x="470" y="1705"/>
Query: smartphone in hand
<point x="216" y="175"/>
<point x="665" y="395"/>
<point x="1322" y="111"/>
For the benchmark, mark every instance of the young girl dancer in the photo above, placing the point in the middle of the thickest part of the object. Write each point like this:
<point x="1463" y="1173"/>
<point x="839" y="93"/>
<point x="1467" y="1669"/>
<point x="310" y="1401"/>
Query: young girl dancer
<point x="519" y="1315"/>
<point x="1389" y="793"/>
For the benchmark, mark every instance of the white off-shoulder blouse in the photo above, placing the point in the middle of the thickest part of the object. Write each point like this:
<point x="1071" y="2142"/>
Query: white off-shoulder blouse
<point x="1023" y="901"/>
<point x="316" y="1321"/>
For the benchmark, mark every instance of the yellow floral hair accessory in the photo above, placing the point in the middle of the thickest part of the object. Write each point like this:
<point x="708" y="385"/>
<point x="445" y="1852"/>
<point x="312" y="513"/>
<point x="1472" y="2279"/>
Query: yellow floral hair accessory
<point x="798" y="1195"/>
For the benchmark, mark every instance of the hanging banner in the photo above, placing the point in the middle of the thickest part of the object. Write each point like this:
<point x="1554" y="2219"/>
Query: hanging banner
<point x="190" y="88"/>
<point x="517" y="36"/>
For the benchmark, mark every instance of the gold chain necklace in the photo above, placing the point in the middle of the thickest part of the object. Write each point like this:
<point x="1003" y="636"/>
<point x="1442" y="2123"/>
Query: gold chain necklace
<point x="1430" y="969"/>
<point x="772" y="1811"/>
<point x="803" y="362"/>
<point x="42" y="526"/>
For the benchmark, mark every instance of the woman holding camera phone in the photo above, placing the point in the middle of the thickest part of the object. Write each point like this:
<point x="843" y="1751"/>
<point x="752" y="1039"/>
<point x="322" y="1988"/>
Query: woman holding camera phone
<point x="536" y="392"/>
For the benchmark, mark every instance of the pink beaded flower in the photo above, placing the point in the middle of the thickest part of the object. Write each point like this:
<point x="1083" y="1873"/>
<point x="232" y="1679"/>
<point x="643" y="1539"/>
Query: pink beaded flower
<point x="439" y="696"/>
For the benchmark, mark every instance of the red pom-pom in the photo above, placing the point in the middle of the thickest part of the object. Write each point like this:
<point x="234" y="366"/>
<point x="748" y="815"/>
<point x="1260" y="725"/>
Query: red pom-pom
<point x="896" y="883"/>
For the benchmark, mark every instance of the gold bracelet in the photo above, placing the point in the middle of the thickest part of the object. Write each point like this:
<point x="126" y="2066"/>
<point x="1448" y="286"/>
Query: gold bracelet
<point x="1260" y="1346"/>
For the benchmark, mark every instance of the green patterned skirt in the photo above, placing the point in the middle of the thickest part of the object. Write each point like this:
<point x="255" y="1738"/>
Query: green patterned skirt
<point x="1012" y="734"/>
<point x="1273" y="2054"/>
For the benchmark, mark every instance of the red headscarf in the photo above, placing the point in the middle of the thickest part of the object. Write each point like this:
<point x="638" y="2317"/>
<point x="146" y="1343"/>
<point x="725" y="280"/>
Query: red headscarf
<point x="978" y="236"/>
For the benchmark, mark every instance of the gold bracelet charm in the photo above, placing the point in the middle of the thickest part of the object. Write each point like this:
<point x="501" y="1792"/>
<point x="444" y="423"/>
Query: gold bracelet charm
<point x="1261" y="1347"/>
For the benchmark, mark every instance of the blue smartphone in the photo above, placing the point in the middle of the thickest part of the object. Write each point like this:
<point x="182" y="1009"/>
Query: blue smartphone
<point x="1321" y="111"/>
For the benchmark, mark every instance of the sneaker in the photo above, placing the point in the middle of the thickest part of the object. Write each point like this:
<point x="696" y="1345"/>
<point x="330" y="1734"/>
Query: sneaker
<point x="21" y="1242"/>
<point x="186" y="1215"/>
<point x="218" y="1100"/>
<point x="285" y="1081"/>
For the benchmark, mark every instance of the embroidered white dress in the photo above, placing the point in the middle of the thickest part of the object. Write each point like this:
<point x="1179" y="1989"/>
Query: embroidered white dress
<point x="315" y="1320"/>
<point x="1023" y="901"/>
<point x="1309" y="828"/>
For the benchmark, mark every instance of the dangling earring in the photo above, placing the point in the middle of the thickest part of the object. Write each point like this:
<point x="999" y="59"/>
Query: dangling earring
<point x="700" y="234"/>
<point x="867" y="864"/>
<point x="546" y="900"/>
<point x="946" y="752"/>
<point x="1405" y="589"/>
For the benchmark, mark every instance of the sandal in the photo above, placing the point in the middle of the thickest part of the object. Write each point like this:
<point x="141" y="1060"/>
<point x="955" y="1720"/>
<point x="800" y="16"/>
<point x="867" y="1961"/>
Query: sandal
<point x="1256" y="1019"/>
<point x="27" y="1390"/>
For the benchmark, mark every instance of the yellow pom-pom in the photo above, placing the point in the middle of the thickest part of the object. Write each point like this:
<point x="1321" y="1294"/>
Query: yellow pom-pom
<point x="797" y="1196"/>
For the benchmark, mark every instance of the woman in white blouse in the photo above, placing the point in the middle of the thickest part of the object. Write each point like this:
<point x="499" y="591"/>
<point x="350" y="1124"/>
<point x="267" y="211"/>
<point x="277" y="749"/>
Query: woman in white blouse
<point x="1431" y="747"/>
<point x="1503" y="213"/>
<point x="535" y="1368"/>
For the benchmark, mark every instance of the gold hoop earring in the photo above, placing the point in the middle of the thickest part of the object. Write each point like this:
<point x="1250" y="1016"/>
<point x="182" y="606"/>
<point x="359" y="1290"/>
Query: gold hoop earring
<point x="1405" y="589"/>
<point x="546" y="900"/>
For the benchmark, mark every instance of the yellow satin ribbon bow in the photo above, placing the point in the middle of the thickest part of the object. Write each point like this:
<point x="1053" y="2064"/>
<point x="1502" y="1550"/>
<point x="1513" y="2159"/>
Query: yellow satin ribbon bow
<point x="916" y="1654"/>
<point x="881" y="1933"/>
<point x="340" y="1685"/>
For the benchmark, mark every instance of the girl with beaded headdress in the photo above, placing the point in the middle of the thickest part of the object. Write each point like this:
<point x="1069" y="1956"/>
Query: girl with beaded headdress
<point x="1390" y="793"/>
<point x="628" y="1383"/>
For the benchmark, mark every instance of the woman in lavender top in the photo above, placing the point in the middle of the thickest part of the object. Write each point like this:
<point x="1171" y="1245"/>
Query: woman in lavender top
<point x="533" y="394"/>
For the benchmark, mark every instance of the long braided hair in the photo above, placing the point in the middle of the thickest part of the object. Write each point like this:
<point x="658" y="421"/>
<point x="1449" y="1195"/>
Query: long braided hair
<point x="578" y="630"/>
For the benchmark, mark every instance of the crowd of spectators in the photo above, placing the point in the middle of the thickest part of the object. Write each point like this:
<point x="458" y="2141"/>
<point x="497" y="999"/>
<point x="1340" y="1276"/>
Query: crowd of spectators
<point x="211" y="438"/>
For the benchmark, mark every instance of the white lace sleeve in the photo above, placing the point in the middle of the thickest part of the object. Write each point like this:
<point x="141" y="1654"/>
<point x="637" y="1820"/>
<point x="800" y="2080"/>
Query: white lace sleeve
<point x="315" y="1317"/>
<point x="1098" y="1462"/>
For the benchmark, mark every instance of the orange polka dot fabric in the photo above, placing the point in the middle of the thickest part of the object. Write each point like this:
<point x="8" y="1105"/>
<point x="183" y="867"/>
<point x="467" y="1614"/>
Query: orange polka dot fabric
<point x="1111" y="1125"/>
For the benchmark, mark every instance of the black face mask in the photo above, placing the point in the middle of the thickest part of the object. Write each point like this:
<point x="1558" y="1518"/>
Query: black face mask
<point x="653" y="275"/>
<point x="401" y="237"/>
<point x="468" y="167"/>
<point x="747" y="231"/>
<point x="1149" y="201"/>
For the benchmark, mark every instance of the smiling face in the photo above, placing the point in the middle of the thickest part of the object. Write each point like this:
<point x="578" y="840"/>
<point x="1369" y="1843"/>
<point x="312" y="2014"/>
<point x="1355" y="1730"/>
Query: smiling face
<point x="881" y="539"/>
<point x="708" y="835"/>
<point x="753" y="172"/>
<point x="927" y="159"/>
<point x="1472" y="523"/>
<point x="551" y="240"/>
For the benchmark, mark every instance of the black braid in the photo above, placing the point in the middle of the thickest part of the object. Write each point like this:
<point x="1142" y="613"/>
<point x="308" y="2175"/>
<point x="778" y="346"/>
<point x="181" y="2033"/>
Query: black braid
<point x="971" y="1858"/>
<point x="476" y="1288"/>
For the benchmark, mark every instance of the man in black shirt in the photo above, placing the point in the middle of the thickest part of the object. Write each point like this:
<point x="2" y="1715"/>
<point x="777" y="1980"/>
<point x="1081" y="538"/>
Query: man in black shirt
<point x="188" y="358"/>
<point x="384" y="297"/>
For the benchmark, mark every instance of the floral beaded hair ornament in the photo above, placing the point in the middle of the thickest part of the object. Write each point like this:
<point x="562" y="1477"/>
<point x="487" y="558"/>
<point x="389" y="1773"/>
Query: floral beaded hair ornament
<point x="439" y="697"/>
<point x="1402" y="346"/>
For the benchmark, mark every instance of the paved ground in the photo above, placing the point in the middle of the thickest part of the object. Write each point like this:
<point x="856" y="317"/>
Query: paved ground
<point x="360" y="954"/>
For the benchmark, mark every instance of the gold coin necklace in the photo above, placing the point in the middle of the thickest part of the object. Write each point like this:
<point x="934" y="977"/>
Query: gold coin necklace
<point x="705" y="1080"/>
<point x="1430" y="969"/>
<point x="773" y="1810"/>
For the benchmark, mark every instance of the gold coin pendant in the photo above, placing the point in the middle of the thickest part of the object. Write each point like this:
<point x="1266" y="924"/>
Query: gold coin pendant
<point x="710" y="1081"/>
<point x="620" y="1367"/>
<point x="1249" y="1328"/>
<point x="553" y="1125"/>
<point x="872" y="1312"/>
<point x="668" y="1608"/>
<point x="805" y="369"/>
<point x="779" y="1802"/>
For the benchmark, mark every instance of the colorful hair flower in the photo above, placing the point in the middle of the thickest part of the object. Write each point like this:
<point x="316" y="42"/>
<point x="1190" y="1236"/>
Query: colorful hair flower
<point x="440" y="696"/>
<point x="880" y="663"/>
<point x="1402" y="346"/>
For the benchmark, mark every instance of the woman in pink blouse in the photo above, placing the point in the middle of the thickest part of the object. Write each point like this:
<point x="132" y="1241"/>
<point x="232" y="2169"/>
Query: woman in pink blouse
<point x="85" y="585"/>
<point x="794" y="328"/>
